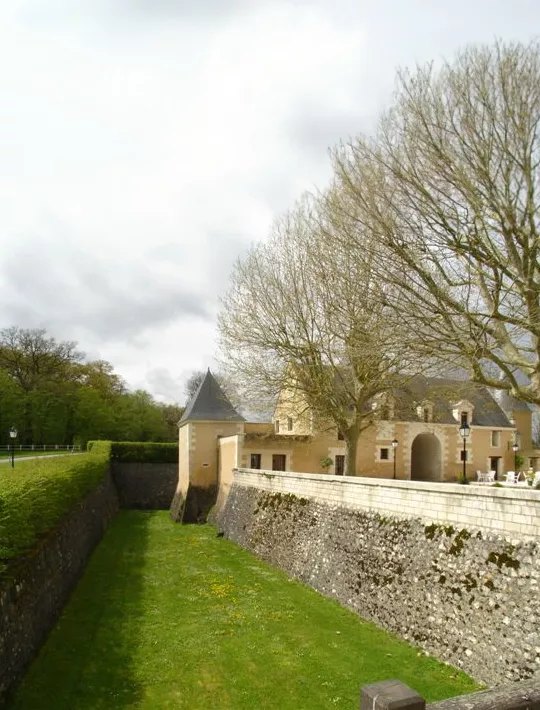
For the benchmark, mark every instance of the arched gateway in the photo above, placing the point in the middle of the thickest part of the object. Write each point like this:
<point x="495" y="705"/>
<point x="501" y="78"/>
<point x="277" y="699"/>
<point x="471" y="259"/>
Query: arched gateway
<point x="426" y="458"/>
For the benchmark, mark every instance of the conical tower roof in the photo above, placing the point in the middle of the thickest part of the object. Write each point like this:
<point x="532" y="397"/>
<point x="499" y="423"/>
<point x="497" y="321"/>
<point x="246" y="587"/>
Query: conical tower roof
<point x="210" y="403"/>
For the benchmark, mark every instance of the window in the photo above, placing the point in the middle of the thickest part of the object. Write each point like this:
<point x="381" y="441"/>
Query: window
<point x="278" y="462"/>
<point x="340" y="436"/>
<point x="276" y="425"/>
<point x="426" y="414"/>
<point x="289" y="424"/>
<point x="339" y="465"/>
<point x="495" y="438"/>
<point x="385" y="412"/>
<point x="463" y="455"/>
<point x="255" y="461"/>
<point x="464" y="418"/>
<point x="385" y="454"/>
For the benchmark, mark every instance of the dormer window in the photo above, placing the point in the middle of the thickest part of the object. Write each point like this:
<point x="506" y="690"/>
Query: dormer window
<point x="383" y="406"/>
<point x="463" y="412"/>
<point x="425" y="411"/>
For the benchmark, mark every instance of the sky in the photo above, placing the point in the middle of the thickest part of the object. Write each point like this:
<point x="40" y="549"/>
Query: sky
<point x="146" y="144"/>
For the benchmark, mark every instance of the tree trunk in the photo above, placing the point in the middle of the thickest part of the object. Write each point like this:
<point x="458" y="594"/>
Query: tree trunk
<point x="351" y="440"/>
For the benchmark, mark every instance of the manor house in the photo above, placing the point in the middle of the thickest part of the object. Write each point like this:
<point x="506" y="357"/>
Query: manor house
<point x="414" y="431"/>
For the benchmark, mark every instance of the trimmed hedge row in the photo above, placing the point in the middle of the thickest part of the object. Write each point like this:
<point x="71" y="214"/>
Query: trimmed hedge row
<point x="144" y="452"/>
<point x="37" y="494"/>
<point x="137" y="451"/>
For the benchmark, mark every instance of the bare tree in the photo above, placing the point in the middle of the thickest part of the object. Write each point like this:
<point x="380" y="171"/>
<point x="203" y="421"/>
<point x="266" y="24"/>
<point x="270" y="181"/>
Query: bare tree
<point x="449" y="187"/>
<point x="305" y="317"/>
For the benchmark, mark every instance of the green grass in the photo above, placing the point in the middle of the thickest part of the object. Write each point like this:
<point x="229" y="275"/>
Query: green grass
<point x="37" y="494"/>
<point x="170" y="616"/>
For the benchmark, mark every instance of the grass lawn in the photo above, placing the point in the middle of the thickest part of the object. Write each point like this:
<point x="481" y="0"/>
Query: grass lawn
<point x="169" y="616"/>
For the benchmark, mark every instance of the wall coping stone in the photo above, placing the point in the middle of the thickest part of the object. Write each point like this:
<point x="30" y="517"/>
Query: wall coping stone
<point x="515" y="492"/>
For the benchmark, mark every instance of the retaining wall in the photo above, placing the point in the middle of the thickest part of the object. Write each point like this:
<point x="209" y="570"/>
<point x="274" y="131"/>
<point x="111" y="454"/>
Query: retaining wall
<point x="145" y="486"/>
<point x="33" y="598"/>
<point x="434" y="572"/>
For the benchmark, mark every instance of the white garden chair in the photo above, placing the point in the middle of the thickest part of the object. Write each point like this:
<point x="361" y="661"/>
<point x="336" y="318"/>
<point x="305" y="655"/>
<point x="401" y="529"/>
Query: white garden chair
<point x="536" y="479"/>
<point x="490" y="477"/>
<point x="511" y="477"/>
<point x="480" y="477"/>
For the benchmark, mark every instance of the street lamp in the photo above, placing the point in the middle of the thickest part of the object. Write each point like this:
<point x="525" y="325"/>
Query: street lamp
<point x="515" y="449"/>
<point x="464" y="432"/>
<point x="13" y="435"/>
<point x="395" y="444"/>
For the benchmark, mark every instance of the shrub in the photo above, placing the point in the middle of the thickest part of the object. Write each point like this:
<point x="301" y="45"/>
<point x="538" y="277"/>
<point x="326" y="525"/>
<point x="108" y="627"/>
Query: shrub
<point x="462" y="479"/>
<point x="144" y="452"/>
<point x="37" y="494"/>
<point x="497" y="485"/>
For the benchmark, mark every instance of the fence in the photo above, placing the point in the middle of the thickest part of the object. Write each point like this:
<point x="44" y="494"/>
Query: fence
<point x="28" y="448"/>
<point x="394" y="695"/>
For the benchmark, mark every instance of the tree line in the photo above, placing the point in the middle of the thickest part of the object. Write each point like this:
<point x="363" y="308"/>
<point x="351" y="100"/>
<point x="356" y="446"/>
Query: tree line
<point x="52" y="396"/>
<point x="422" y="254"/>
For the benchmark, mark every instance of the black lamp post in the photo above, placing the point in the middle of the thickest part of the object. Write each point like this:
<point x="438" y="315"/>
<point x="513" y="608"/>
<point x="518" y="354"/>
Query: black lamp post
<point x="515" y="449"/>
<point x="13" y="435"/>
<point x="464" y="432"/>
<point x="395" y="444"/>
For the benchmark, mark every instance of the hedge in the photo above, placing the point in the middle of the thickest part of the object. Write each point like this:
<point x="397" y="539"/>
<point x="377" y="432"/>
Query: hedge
<point x="37" y="494"/>
<point x="143" y="452"/>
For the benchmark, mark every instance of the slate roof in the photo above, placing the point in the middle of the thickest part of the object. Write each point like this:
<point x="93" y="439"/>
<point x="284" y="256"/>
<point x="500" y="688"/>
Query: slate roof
<point x="210" y="403"/>
<point x="443" y="393"/>
<point x="511" y="404"/>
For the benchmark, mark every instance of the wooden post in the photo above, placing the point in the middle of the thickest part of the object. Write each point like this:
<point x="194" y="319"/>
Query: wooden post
<point x="390" y="695"/>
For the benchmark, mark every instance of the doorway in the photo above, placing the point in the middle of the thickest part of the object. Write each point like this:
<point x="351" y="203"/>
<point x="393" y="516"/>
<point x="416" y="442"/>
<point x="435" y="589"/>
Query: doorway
<point x="426" y="458"/>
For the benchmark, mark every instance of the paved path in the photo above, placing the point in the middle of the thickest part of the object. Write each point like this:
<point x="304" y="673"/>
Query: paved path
<point x="30" y="458"/>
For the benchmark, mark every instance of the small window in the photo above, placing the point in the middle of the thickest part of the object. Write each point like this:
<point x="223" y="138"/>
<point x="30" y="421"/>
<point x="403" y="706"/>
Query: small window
<point x="463" y="455"/>
<point x="385" y="412"/>
<point x="339" y="465"/>
<point x="279" y="462"/>
<point x="464" y="418"/>
<point x="289" y="424"/>
<point x="276" y="425"/>
<point x="385" y="455"/>
<point x="495" y="438"/>
<point x="426" y="414"/>
<point x="255" y="461"/>
<point x="340" y="436"/>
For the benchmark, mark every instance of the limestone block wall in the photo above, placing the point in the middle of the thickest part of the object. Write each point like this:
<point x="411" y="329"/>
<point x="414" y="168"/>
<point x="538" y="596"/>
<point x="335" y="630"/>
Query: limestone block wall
<point x="509" y="512"/>
<point x="460" y="590"/>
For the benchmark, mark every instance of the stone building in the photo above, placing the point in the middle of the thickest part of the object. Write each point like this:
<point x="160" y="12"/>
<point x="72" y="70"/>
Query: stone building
<point x="422" y="419"/>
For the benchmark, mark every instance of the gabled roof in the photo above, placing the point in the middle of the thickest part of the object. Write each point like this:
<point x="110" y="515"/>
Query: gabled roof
<point x="210" y="403"/>
<point x="444" y="393"/>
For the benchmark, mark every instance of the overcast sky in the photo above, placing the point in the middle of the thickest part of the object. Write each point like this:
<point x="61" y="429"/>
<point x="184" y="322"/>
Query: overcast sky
<point x="145" y="144"/>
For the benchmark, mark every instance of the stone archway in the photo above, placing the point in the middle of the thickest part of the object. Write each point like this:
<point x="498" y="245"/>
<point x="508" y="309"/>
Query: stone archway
<point x="426" y="458"/>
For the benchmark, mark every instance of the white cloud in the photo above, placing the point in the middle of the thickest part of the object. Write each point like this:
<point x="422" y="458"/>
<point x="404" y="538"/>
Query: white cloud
<point x="145" y="145"/>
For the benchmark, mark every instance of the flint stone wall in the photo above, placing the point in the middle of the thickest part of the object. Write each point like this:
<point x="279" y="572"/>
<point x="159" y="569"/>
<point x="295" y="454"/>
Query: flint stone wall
<point x="469" y="597"/>
<point x="32" y="599"/>
<point x="145" y="486"/>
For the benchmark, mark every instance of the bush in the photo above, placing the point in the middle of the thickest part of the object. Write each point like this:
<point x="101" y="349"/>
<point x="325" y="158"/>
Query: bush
<point x="36" y="495"/>
<point x="143" y="452"/>
<point x="461" y="479"/>
<point x="497" y="485"/>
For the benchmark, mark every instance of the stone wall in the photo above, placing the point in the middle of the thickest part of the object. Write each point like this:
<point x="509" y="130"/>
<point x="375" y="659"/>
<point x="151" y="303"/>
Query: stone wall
<point x="512" y="512"/>
<point x="147" y="486"/>
<point x="32" y="599"/>
<point x="467" y="596"/>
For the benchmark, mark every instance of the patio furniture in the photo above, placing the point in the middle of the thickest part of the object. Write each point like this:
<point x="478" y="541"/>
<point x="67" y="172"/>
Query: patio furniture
<point x="511" y="477"/>
<point x="480" y="477"/>
<point x="490" y="477"/>
<point x="536" y="479"/>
